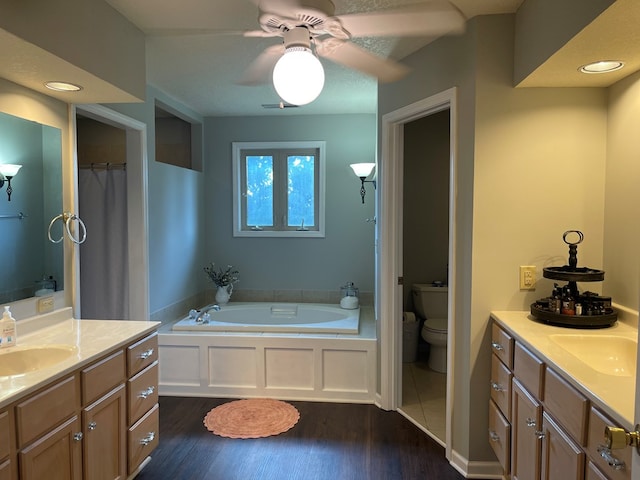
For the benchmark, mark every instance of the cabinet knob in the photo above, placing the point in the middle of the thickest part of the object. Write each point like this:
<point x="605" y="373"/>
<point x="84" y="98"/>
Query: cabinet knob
<point x="539" y="434"/>
<point x="616" y="438"/>
<point x="497" y="387"/>
<point x="531" y="422"/>
<point x="77" y="436"/>
<point x="147" y="393"/>
<point x="146" y="354"/>
<point x="92" y="425"/>
<point x="148" y="439"/>
<point x="494" y="436"/>
<point x="497" y="346"/>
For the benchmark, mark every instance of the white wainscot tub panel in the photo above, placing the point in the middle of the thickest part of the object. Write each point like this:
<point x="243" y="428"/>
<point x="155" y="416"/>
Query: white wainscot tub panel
<point x="339" y="368"/>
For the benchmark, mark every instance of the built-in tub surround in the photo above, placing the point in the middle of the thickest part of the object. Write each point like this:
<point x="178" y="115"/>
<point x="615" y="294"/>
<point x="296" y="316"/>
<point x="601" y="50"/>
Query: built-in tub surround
<point x="274" y="317"/>
<point x="609" y="383"/>
<point x="338" y="367"/>
<point x="88" y="338"/>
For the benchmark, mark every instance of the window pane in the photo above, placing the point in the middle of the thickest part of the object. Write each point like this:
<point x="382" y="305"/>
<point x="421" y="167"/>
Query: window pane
<point x="300" y="190"/>
<point x="259" y="188"/>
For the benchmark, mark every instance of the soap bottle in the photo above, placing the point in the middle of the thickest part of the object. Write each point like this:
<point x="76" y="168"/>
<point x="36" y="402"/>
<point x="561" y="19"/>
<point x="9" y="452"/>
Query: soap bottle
<point x="7" y="329"/>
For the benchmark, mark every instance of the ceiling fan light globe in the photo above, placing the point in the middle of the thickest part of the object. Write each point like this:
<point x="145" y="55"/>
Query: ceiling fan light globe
<point x="298" y="77"/>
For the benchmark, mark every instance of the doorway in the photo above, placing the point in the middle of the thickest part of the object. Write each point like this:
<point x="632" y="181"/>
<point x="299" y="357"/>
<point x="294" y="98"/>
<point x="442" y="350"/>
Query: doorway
<point x="391" y="252"/>
<point x="120" y="165"/>
<point x="425" y="245"/>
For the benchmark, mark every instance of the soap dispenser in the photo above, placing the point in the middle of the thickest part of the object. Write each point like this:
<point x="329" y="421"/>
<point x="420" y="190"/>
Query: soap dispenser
<point x="7" y="329"/>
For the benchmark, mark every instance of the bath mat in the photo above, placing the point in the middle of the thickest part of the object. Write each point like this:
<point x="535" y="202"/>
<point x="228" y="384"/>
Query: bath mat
<point x="251" y="418"/>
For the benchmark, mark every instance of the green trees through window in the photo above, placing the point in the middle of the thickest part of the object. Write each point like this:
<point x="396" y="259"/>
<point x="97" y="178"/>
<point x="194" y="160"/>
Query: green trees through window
<point x="279" y="189"/>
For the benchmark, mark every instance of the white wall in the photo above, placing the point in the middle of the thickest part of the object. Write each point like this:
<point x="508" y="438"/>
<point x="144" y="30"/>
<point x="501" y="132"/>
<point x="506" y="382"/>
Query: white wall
<point x="536" y="162"/>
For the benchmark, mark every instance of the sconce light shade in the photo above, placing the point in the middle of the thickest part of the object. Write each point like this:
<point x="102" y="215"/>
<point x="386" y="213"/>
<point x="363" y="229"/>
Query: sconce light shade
<point x="298" y="76"/>
<point x="362" y="169"/>
<point x="7" y="172"/>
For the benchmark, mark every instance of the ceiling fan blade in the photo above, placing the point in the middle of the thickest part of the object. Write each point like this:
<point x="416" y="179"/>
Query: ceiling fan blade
<point x="185" y="32"/>
<point x="430" y="19"/>
<point x="259" y="72"/>
<point x="352" y="56"/>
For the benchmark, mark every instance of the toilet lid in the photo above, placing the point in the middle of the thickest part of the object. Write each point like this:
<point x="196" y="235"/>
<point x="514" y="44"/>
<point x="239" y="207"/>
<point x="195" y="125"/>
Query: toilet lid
<point x="436" y="324"/>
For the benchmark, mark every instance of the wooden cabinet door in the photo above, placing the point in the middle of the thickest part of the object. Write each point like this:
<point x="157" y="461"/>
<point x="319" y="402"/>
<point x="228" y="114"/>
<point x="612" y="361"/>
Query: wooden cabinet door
<point x="105" y="437"/>
<point x="526" y="420"/>
<point x="57" y="455"/>
<point x="5" y="470"/>
<point x="562" y="458"/>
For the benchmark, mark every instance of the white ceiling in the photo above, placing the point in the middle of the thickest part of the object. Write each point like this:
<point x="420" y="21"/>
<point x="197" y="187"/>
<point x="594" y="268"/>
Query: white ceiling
<point x="201" y="70"/>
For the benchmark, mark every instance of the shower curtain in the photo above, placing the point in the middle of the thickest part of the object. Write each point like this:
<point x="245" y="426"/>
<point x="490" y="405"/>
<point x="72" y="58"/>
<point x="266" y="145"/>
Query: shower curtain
<point x="104" y="277"/>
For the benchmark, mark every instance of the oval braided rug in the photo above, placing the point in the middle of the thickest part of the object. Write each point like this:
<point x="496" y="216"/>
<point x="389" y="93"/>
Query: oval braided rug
<point x="251" y="418"/>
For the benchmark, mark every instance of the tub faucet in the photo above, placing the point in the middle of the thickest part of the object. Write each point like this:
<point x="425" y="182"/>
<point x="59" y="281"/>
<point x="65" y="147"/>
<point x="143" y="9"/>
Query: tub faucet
<point x="204" y="316"/>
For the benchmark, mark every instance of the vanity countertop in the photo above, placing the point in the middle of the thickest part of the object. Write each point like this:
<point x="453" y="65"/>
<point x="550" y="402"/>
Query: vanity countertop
<point x="614" y="394"/>
<point x="91" y="339"/>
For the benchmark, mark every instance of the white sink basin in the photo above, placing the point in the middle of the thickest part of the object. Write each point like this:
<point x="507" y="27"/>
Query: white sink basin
<point x="606" y="354"/>
<point x="20" y="360"/>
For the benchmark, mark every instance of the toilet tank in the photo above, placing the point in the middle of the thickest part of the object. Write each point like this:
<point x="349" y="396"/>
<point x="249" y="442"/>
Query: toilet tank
<point x="430" y="301"/>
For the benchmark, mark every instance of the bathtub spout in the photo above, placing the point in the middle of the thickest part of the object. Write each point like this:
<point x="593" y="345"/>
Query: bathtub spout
<point x="204" y="316"/>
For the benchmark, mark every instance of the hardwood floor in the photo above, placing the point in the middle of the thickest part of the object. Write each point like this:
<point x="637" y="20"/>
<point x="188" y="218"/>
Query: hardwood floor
<point x="331" y="441"/>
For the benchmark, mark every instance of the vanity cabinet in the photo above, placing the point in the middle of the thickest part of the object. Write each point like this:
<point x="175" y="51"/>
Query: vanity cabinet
<point x="551" y="430"/>
<point x="7" y="433"/>
<point x="80" y="426"/>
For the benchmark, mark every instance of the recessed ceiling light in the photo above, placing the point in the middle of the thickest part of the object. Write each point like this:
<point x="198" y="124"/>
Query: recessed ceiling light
<point x="604" y="66"/>
<point x="63" y="86"/>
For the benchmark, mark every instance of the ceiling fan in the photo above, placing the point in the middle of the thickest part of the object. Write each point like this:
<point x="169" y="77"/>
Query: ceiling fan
<point x="312" y="23"/>
<point x="310" y="29"/>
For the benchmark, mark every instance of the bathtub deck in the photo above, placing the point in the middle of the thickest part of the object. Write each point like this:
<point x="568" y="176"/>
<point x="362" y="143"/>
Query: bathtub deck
<point x="290" y="366"/>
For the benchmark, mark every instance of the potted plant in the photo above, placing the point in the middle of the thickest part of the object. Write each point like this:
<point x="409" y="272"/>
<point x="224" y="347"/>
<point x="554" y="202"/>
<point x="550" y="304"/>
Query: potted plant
<point x="223" y="279"/>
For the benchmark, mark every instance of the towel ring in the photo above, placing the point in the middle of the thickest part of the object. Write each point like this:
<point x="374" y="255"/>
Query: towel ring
<point x="66" y="218"/>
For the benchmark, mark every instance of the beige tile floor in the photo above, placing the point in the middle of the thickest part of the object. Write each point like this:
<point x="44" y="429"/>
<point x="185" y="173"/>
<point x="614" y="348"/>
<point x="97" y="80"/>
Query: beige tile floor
<point x="424" y="397"/>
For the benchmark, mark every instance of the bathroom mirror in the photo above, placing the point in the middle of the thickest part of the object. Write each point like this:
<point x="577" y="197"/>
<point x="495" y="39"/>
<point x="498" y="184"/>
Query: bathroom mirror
<point x="28" y="256"/>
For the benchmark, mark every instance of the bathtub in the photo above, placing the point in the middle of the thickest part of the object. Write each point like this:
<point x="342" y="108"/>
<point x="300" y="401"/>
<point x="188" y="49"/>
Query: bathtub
<point x="277" y="317"/>
<point x="332" y="358"/>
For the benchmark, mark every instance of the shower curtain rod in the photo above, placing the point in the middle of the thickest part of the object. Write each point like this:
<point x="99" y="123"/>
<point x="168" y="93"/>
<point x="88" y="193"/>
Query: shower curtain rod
<point x="103" y="166"/>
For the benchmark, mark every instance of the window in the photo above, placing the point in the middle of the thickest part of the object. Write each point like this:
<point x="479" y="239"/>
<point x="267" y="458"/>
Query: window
<point x="278" y="189"/>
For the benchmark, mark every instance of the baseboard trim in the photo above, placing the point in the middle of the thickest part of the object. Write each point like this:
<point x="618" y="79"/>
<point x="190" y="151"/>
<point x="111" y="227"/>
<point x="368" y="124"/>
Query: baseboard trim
<point x="471" y="469"/>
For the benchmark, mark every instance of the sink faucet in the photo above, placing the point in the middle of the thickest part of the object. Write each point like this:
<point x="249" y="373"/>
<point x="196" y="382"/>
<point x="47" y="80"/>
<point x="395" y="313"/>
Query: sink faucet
<point x="203" y="315"/>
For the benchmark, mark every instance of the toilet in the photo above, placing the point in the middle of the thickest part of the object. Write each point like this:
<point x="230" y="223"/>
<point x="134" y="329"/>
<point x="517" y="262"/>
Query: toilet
<point x="431" y="304"/>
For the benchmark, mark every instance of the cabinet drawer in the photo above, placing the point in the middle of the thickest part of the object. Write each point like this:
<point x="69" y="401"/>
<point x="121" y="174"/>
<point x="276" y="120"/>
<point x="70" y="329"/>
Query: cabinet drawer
<point x="499" y="436"/>
<point x="142" y="392"/>
<point x="102" y="377"/>
<point x="597" y="422"/>
<point x="566" y="405"/>
<point x="143" y="438"/>
<point x="142" y="354"/>
<point x="43" y="411"/>
<point x="5" y="436"/>
<point x="501" y="386"/>
<point x="502" y="345"/>
<point x="529" y="369"/>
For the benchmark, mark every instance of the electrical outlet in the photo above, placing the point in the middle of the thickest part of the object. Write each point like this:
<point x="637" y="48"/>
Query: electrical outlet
<point x="45" y="304"/>
<point x="527" y="277"/>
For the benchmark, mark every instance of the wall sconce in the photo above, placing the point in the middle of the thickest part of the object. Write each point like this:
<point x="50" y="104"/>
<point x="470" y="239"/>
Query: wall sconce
<point x="7" y="172"/>
<point x="362" y="171"/>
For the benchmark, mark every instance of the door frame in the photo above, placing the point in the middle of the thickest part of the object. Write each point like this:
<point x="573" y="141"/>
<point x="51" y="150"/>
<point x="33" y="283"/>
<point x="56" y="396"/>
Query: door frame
<point x="137" y="208"/>
<point x="390" y="303"/>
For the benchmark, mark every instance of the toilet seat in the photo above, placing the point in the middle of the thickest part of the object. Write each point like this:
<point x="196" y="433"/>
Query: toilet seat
<point x="437" y="325"/>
